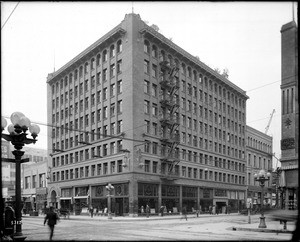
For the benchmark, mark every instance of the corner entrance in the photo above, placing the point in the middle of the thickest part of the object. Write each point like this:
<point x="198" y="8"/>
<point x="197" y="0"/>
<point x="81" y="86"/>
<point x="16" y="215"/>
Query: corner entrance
<point x="221" y="206"/>
<point x="119" y="206"/>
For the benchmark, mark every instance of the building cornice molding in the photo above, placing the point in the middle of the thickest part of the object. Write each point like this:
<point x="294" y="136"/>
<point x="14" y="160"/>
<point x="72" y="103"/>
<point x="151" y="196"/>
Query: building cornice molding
<point x="184" y="54"/>
<point x="117" y="32"/>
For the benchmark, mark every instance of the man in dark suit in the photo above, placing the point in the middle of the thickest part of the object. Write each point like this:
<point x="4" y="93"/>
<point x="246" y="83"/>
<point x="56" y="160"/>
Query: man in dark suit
<point x="52" y="219"/>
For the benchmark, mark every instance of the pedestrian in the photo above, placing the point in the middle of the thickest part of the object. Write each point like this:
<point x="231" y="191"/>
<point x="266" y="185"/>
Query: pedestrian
<point x="142" y="210"/>
<point x="147" y="210"/>
<point x="162" y="210"/>
<point x="217" y="210"/>
<point x="210" y="209"/>
<point x="52" y="219"/>
<point x="184" y="213"/>
<point x="228" y="209"/>
<point x="91" y="211"/>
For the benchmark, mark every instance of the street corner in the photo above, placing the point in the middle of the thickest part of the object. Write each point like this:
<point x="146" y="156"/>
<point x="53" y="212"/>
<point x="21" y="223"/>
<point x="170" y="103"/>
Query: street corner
<point x="263" y="230"/>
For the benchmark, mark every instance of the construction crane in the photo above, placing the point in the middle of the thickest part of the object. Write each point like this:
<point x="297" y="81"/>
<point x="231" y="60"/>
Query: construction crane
<point x="268" y="126"/>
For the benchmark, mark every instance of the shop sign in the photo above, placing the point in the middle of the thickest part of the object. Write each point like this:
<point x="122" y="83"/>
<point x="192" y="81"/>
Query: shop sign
<point x="220" y="193"/>
<point x="206" y="193"/>
<point x="41" y="197"/>
<point x="41" y="190"/>
<point x="67" y="192"/>
<point x="170" y="191"/>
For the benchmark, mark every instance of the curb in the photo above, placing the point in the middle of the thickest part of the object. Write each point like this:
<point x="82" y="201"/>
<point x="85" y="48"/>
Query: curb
<point x="127" y="218"/>
<point x="261" y="230"/>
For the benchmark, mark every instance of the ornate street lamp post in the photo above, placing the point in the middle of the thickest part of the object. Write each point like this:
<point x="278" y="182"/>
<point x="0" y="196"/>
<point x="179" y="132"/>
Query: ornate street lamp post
<point x="109" y="188"/>
<point x="17" y="136"/>
<point x="262" y="177"/>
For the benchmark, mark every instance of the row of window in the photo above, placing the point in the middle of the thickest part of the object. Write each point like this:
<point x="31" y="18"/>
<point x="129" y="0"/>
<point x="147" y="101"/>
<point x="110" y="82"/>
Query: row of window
<point x="187" y="71"/>
<point x="190" y="106"/>
<point x="94" y="96"/>
<point x="150" y="147"/>
<point x="88" y="153"/>
<point x="254" y="143"/>
<point x="88" y="119"/>
<point x="152" y="109"/>
<point x="261" y="162"/>
<point x="32" y="182"/>
<point x="95" y="61"/>
<point x="113" y="167"/>
<point x="89" y="171"/>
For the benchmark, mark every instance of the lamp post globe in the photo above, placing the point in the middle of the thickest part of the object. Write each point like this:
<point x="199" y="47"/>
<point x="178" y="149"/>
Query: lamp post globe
<point x="18" y="137"/>
<point x="109" y="188"/>
<point x="3" y="123"/>
<point x="262" y="177"/>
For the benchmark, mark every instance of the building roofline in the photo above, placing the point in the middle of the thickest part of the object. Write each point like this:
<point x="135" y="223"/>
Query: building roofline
<point x="160" y="37"/>
<point x="117" y="30"/>
<point x="258" y="132"/>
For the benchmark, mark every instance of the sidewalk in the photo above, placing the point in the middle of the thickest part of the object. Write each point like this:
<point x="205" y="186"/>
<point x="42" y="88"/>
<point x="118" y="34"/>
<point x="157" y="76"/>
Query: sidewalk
<point x="272" y="226"/>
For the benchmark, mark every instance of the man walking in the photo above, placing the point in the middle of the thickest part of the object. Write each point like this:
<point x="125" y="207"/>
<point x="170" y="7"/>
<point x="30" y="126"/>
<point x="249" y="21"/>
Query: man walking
<point x="184" y="213"/>
<point x="52" y="219"/>
<point x="147" y="210"/>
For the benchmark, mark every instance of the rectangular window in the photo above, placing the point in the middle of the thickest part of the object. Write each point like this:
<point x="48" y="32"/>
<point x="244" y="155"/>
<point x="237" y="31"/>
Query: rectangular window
<point x="147" y="166"/>
<point x="119" y="66"/>
<point x="147" y="107"/>
<point x="146" y="66"/>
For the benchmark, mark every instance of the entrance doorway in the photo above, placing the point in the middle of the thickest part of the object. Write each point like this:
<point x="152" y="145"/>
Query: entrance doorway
<point x="119" y="206"/>
<point x="221" y="206"/>
<point x="53" y="199"/>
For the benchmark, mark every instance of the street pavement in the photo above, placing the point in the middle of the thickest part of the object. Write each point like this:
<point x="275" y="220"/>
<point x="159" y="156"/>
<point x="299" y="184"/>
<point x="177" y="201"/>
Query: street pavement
<point x="272" y="226"/>
<point x="170" y="227"/>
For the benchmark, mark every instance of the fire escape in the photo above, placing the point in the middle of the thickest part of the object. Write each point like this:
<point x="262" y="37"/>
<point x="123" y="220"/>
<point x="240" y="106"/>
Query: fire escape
<point x="169" y="119"/>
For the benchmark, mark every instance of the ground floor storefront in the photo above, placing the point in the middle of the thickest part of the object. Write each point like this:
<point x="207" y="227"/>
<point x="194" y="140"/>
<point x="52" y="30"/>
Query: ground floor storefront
<point x="131" y="198"/>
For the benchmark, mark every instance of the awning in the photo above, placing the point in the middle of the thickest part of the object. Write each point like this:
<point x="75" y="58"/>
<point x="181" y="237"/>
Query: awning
<point x="65" y="198"/>
<point x="290" y="167"/>
<point x="81" y="197"/>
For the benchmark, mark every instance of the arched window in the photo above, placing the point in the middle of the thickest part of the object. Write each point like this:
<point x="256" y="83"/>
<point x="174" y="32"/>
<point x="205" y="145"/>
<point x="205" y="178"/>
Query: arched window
<point x="205" y="82"/>
<point x="183" y="69"/>
<point x="210" y="85"/>
<point x="119" y="46"/>
<point x="170" y="60"/>
<point x="146" y="46"/>
<point x="92" y="63"/>
<point x="112" y="51"/>
<point x="162" y="56"/>
<point x="80" y="71"/>
<point x="70" y="78"/>
<point x="98" y="59"/>
<point x="189" y="72"/>
<point x="154" y="51"/>
<point x="200" y="78"/>
<point x="177" y="63"/>
<point x="86" y="65"/>
<point x="194" y="75"/>
<point x="104" y="56"/>
<point x="76" y="74"/>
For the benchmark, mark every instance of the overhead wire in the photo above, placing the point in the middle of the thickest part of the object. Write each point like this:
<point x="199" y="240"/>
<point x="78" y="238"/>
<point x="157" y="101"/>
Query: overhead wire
<point x="9" y="15"/>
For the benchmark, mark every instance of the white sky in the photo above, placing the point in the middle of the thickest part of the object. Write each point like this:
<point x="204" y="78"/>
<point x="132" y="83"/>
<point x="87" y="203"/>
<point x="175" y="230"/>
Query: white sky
<point x="243" y="37"/>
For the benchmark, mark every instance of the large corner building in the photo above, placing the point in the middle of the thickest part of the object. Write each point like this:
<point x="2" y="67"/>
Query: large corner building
<point x="137" y="111"/>
<point x="289" y="181"/>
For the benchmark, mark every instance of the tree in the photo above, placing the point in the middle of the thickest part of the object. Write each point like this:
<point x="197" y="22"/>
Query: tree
<point x="225" y="73"/>
<point x="155" y="27"/>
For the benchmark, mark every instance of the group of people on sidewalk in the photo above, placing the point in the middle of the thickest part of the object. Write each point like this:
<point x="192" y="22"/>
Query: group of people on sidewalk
<point x="215" y="210"/>
<point x="146" y="210"/>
